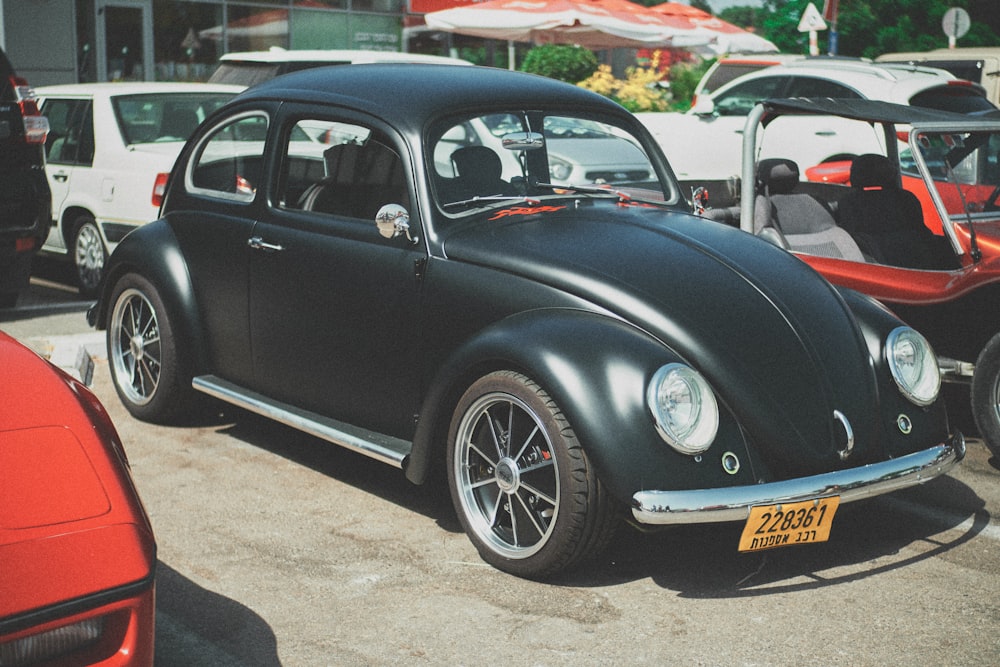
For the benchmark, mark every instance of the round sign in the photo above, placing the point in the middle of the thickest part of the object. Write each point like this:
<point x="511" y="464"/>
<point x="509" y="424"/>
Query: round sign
<point x="956" y="22"/>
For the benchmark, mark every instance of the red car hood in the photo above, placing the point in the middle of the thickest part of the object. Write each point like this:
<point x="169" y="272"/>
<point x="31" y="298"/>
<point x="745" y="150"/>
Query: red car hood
<point x="72" y="526"/>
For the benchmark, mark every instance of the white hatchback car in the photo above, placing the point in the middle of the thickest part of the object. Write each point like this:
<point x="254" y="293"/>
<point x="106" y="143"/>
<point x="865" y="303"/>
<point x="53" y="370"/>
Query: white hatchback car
<point x="109" y="151"/>
<point x="705" y="144"/>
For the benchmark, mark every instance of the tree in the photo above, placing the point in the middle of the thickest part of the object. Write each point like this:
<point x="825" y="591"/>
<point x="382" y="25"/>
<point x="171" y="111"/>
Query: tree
<point x="871" y="27"/>
<point x="560" y="61"/>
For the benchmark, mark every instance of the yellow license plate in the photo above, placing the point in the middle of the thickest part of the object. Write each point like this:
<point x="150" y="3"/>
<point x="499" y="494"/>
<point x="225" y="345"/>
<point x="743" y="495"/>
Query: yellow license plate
<point x="785" y="524"/>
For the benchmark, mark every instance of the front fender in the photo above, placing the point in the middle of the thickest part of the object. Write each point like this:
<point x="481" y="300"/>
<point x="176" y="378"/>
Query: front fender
<point x="152" y="251"/>
<point x="596" y="368"/>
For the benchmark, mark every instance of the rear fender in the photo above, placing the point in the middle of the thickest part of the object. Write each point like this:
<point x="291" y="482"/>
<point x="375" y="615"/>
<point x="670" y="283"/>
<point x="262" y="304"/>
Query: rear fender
<point x="596" y="368"/>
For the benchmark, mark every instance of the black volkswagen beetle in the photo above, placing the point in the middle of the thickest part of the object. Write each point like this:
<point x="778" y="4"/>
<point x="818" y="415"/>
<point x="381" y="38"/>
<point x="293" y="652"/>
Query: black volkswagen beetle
<point x="495" y="276"/>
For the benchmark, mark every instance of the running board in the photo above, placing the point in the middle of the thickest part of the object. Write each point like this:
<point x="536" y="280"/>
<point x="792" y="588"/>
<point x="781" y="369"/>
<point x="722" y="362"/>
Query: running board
<point x="383" y="448"/>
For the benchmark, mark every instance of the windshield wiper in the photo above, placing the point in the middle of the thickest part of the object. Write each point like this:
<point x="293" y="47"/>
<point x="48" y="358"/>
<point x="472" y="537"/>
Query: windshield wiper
<point x="588" y="189"/>
<point x="490" y="198"/>
<point x="623" y="197"/>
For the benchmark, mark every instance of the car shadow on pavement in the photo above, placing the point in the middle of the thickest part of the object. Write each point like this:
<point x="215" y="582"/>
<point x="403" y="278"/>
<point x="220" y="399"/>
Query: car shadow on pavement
<point x="869" y="538"/>
<point x="388" y="483"/>
<point x="196" y="627"/>
<point x="699" y="561"/>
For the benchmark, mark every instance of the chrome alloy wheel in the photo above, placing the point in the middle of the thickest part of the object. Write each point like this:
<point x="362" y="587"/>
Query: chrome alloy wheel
<point x="134" y="347"/>
<point x="89" y="257"/>
<point x="506" y="475"/>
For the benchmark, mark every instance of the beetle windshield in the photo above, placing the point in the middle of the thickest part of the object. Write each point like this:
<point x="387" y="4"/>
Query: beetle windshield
<point x="494" y="158"/>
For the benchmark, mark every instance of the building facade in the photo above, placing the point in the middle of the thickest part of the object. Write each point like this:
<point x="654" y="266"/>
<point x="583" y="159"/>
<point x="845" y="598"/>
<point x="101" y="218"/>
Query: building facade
<point x="69" y="41"/>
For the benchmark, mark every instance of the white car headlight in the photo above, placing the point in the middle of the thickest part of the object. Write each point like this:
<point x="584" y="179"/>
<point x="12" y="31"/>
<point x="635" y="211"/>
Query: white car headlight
<point x="913" y="364"/>
<point x="559" y="170"/>
<point x="684" y="408"/>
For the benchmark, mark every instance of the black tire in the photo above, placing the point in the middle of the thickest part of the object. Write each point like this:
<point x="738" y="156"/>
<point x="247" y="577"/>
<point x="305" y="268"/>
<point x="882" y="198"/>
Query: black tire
<point x="524" y="489"/>
<point x="89" y="255"/>
<point x="986" y="395"/>
<point x="147" y="366"/>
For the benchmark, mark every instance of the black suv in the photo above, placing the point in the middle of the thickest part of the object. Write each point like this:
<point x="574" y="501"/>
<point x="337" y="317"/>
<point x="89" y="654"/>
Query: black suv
<point x="25" y="199"/>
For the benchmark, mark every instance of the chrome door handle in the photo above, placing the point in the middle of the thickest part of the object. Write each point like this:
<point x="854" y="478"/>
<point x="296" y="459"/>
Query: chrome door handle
<point x="257" y="243"/>
<point x="60" y="177"/>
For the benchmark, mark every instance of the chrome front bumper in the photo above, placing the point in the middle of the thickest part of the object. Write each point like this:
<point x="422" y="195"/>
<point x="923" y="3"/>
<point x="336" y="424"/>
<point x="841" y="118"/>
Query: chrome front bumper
<point x="734" y="503"/>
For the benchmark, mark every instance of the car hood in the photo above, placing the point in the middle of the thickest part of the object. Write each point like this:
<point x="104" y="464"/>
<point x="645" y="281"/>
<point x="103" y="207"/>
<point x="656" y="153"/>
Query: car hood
<point x="72" y="527"/>
<point x="778" y="343"/>
<point x="603" y="152"/>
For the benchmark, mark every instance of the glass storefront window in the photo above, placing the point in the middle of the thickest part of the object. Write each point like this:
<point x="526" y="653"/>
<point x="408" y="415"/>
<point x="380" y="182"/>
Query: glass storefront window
<point x="256" y="28"/>
<point x="186" y="39"/>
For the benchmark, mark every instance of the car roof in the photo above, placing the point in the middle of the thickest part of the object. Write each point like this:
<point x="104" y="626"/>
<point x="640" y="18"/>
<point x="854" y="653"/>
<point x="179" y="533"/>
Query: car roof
<point x="134" y="88"/>
<point x="875" y="111"/>
<point x="335" y="56"/>
<point x="958" y="53"/>
<point x="408" y="94"/>
<point x="896" y="82"/>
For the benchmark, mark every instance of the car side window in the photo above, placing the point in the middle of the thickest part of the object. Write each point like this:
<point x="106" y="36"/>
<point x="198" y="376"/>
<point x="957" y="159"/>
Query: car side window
<point x="230" y="159"/>
<point x="71" y="134"/>
<point x="807" y="86"/>
<point x="741" y="98"/>
<point x="340" y="169"/>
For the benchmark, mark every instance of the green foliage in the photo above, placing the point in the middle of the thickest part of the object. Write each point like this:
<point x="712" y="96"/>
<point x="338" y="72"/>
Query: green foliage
<point x="684" y="78"/>
<point x="870" y="28"/>
<point x="744" y="17"/>
<point x="557" y="61"/>
<point x="638" y="91"/>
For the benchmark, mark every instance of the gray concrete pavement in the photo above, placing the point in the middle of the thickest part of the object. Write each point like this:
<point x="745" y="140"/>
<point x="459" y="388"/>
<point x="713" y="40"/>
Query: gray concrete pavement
<point x="278" y="549"/>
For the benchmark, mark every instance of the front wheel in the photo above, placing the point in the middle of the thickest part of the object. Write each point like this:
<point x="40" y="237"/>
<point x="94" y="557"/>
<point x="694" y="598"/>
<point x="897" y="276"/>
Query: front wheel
<point x="89" y="256"/>
<point x="146" y="363"/>
<point x="524" y="489"/>
<point x="986" y="395"/>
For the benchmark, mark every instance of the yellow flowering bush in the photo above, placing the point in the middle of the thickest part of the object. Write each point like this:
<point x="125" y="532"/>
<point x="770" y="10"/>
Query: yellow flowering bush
<point x="639" y="91"/>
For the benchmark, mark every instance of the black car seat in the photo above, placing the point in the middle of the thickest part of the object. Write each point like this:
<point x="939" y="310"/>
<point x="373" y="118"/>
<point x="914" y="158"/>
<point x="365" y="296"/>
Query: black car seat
<point x="360" y="179"/>
<point x="479" y="172"/>
<point x="887" y="221"/>
<point x="797" y="221"/>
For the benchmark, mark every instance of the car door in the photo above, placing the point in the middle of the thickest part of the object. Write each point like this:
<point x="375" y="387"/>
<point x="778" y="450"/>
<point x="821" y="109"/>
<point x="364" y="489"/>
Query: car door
<point x="211" y="214"/>
<point x="69" y="147"/>
<point x="332" y="302"/>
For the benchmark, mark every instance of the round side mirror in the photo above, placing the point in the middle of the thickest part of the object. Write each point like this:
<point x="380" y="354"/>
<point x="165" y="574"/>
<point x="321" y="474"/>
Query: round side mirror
<point x="393" y="220"/>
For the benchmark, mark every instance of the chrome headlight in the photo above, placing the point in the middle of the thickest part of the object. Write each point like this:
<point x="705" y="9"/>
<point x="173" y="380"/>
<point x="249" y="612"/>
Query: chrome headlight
<point x="684" y="408"/>
<point x="913" y="364"/>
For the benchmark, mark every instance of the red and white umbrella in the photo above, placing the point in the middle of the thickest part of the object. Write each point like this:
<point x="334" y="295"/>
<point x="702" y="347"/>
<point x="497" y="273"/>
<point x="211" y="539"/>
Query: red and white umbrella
<point x="722" y="36"/>
<point x="595" y="24"/>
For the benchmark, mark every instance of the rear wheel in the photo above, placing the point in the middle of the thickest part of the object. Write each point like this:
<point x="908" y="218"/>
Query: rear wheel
<point x="88" y="255"/>
<point x="146" y="363"/>
<point x="523" y="488"/>
<point x="986" y="395"/>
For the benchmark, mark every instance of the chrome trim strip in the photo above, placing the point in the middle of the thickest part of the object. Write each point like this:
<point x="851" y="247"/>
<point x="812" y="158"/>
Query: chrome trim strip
<point x="383" y="448"/>
<point x="734" y="503"/>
